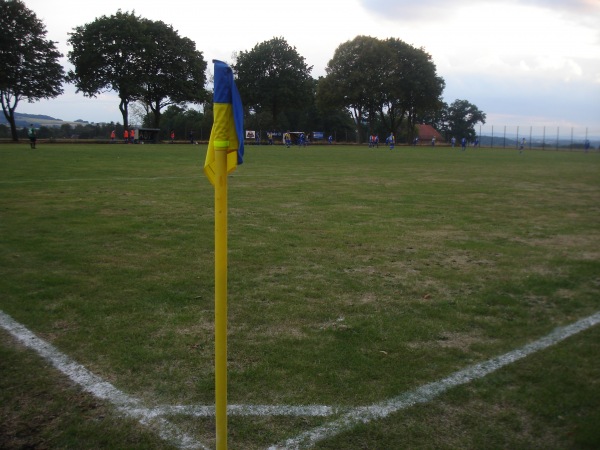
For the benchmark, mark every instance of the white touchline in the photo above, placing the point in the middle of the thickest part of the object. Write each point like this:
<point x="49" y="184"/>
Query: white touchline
<point x="365" y="414"/>
<point x="351" y="417"/>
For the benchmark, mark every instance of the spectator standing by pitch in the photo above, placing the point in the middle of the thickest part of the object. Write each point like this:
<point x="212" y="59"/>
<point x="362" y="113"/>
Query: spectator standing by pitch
<point x="31" y="135"/>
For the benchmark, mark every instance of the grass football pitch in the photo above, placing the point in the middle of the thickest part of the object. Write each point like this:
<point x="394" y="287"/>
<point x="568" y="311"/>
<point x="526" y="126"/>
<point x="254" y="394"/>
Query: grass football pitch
<point x="355" y="275"/>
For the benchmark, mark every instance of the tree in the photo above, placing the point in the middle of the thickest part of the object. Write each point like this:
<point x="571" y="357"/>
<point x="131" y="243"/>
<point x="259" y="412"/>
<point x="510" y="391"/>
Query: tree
<point x="353" y="79"/>
<point x="140" y="59"/>
<point x="461" y="118"/>
<point x="333" y="119"/>
<point x="412" y="86"/>
<point x="182" y="120"/>
<point x="175" y="72"/>
<point x="273" y="77"/>
<point x="383" y="83"/>
<point x="107" y="56"/>
<point x="30" y="69"/>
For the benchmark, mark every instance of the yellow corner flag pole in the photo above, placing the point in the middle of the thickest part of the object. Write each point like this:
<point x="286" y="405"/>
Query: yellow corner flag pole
<point x="225" y="151"/>
<point x="221" y="294"/>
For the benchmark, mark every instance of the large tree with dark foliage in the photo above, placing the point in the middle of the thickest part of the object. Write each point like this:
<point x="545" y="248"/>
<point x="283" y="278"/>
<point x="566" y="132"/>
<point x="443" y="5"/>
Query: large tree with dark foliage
<point x="107" y="56"/>
<point x="274" y="78"/>
<point x="354" y="80"/>
<point x="139" y="59"/>
<point x="175" y="72"/>
<point x="29" y="67"/>
<point x="380" y="82"/>
<point x="411" y="86"/>
<point x="460" y="119"/>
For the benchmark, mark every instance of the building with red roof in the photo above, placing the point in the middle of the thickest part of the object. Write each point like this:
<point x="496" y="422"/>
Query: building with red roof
<point x="427" y="132"/>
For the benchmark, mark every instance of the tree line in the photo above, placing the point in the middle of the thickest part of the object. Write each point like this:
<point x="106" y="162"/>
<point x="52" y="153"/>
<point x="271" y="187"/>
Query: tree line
<point x="371" y="86"/>
<point x="176" y="119"/>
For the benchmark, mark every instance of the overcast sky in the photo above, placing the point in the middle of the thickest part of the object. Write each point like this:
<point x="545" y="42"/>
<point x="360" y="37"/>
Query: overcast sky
<point x="527" y="63"/>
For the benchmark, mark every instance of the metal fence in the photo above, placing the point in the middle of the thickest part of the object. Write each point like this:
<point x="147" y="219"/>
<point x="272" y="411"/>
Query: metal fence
<point x="505" y="136"/>
<point x="540" y="137"/>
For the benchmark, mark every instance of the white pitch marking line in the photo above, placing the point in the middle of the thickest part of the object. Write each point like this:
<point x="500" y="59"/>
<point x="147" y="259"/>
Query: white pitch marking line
<point x="249" y="410"/>
<point x="428" y="392"/>
<point x="96" y="386"/>
<point x="131" y="406"/>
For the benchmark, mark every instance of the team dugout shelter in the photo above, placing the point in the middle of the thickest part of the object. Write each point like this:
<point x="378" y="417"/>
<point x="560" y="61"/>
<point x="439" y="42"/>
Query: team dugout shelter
<point x="149" y="135"/>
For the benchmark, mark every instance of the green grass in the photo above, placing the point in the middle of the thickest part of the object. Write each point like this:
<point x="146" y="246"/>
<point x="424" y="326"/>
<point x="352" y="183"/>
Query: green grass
<point x="354" y="275"/>
<point x="41" y="409"/>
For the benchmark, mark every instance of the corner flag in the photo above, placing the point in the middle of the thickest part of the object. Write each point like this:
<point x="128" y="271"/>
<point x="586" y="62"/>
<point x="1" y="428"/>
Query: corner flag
<point x="228" y="127"/>
<point x="225" y="151"/>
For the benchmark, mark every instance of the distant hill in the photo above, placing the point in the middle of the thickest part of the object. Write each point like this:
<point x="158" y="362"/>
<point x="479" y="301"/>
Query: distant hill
<point x="38" y="120"/>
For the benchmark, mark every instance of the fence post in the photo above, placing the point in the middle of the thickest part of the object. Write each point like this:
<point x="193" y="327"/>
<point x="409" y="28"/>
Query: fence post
<point x="544" y="139"/>
<point x="571" y="146"/>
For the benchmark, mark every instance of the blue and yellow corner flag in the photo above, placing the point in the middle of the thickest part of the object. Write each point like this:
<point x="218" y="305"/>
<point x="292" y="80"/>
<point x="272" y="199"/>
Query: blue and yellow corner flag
<point x="228" y="126"/>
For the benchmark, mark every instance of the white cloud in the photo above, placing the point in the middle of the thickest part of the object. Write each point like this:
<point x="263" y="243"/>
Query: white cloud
<point x="519" y="61"/>
<point x="421" y="11"/>
<point x="442" y="10"/>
